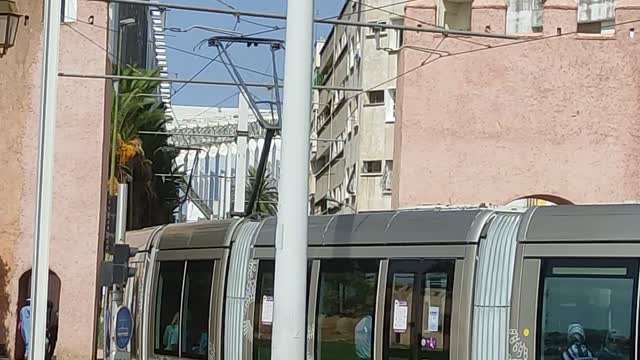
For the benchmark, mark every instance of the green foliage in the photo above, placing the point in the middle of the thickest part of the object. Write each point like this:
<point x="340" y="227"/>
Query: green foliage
<point x="140" y="156"/>
<point x="267" y="200"/>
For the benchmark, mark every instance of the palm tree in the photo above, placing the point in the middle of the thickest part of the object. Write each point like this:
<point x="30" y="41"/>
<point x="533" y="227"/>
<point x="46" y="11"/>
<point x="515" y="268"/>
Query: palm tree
<point x="140" y="156"/>
<point x="267" y="200"/>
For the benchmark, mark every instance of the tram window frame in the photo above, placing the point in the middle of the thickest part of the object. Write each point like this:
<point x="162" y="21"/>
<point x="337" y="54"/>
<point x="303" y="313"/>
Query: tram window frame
<point x="582" y="265"/>
<point x="268" y="266"/>
<point x="158" y="331"/>
<point x="374" y="264"/>
<point x="420" y="269"/>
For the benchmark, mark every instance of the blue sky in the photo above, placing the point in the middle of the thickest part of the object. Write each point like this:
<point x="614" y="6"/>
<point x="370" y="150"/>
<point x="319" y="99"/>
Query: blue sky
<point x="185" y="66"/>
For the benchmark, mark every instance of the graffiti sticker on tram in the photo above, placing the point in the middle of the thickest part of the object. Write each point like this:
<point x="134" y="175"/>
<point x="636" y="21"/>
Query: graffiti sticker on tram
<point x="400" y="316"/>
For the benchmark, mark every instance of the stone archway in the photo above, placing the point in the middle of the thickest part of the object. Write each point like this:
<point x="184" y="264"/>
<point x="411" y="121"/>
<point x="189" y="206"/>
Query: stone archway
<point x="539" y="200"/>
<point x="24" y="291"/>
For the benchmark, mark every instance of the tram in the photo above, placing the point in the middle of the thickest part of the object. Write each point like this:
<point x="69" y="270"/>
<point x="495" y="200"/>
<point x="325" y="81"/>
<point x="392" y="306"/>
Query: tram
<point x="437" y="284"/>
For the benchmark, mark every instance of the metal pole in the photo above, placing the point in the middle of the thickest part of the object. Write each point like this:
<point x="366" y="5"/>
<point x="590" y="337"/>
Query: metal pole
<point x="44" y="184"/>
<point x="116" y="292"/>
<point x="241" y="163"/>
<point x="289" y="315"/>
<point x="114" y="123"/>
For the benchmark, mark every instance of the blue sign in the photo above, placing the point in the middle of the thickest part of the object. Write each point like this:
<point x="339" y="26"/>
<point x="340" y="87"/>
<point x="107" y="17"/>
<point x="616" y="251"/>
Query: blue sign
<point x="124" y="327"/>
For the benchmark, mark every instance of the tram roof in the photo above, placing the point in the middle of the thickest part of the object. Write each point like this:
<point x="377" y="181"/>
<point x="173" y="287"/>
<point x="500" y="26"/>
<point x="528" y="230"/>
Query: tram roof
<point x="198" y="235"/>
<point x="420" y="226"/>
<point x="581" y="223"/>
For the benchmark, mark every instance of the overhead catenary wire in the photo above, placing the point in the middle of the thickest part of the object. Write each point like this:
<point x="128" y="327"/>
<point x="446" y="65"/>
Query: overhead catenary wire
<point x="193" y="81"/>
<point x="321" y="21"/>
<point x="428" y="60"/>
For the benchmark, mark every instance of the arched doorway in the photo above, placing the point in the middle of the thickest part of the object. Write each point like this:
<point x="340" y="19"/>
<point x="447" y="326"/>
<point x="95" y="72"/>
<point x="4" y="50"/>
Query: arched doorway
<point x="539" y="200"/>
<point x="24" y="292"/>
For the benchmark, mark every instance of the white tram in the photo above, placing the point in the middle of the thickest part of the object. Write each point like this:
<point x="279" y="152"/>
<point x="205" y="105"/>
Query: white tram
<point x="436" y="284"/>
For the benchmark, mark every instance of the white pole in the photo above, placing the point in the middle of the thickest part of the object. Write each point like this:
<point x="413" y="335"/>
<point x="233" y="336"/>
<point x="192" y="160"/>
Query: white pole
<point x="121" y="214"/>
<point x="291" y="233"/>
<point x="241" y="163"/>
<point x="44" y="195"/>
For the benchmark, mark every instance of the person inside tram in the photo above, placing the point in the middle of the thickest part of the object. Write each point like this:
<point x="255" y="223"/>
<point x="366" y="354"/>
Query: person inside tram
<point x="170" y="337"/>
<point x="577" y="349"/>
<point x="611" y="347"/>
<point x="363" y="337"/>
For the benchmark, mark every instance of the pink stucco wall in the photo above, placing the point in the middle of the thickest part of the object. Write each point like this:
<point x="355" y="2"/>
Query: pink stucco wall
<point x="79" y="173"/>
<point x="555" y="115"/>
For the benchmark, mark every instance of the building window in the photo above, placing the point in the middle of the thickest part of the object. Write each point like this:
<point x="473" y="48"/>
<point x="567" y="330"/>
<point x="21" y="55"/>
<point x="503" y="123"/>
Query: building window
<point x="596" y="16"/>
<point x="387" y="176"/>
<point x="390" y="105"/>
<point x="591" y="302"/>
<point x="397" y="36"/>
<point x="346" y="309"/>
<point x="69" y="11"/>
<point x="182" y="308"/>
<point x="373" y="28"/>
<point x="454" y="15"/>
<point x="372" y="167"/>
<point x="524" y="16"/>
<point x="376" y="97"/>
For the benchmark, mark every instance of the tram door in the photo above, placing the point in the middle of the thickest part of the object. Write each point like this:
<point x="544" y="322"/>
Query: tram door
<point x="418" y="309"/>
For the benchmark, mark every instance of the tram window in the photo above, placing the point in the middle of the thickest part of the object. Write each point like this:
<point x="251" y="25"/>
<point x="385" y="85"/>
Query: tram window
<point x="590" y="304"/>
<point x="346" y="309"/>
<point x="418" y="309"/>
<point x="168" y="307"/>
<point x="195" y="309"/>
<point x="262" y="319"/>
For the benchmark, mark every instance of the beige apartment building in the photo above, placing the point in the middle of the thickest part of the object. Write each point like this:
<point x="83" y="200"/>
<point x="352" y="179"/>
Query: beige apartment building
<point x="352" y="146"/>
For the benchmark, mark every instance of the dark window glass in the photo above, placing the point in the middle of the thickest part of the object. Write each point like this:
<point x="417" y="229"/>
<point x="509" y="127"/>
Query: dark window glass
<point x="168" y="307"/>
<point x="263" y="313"/>
<point x="195" y="309"/>
<point x="588" y="309"/>
<point x="418" y="309"/>
<point x="346" y="309"/>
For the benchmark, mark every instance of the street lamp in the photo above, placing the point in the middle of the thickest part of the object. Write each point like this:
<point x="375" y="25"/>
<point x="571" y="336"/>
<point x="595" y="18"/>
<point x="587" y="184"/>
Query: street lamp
<point x="9" y="17"/>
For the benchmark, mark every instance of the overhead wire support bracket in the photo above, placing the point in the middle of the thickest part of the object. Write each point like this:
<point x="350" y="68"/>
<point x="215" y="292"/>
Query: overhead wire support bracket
<point x="275" y="105"/>
<point x="275" y="45"/>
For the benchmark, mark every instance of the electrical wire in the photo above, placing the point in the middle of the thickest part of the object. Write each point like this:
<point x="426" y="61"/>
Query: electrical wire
<point x="279" y="28"/>
<point x="428" y="60"/>
<point x="247" y="69"/>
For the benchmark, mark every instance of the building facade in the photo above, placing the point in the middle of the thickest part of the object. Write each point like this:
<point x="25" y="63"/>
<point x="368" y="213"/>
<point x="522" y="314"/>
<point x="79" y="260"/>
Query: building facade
<point x="551" y="115"/>
<point x="353" y="132"/>
<point x="80" y="173"/>
<point x="208" y="137"/>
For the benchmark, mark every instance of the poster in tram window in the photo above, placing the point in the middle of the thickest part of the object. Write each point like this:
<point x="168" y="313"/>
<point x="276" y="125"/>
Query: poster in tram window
<point x="267" y="310"/>
<point x="400" y="316"/>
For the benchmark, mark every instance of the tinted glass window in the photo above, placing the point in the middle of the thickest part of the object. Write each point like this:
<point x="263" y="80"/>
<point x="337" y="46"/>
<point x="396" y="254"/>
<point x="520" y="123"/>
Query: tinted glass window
<point x="588" y="309"/>
<point x="195" y="309"/>
<point x="263" y="314"/>
<point x="418" y="309"/>
<point x="168" y="307"/>
<point x="346" y="309"/>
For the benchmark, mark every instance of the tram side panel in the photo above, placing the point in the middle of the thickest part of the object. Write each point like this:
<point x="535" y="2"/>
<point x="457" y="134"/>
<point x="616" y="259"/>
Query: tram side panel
<point x="576" y="285"/>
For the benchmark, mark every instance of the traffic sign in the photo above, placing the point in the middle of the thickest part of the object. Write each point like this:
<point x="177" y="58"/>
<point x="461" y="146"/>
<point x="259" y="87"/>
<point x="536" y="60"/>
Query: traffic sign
<point x="124" y="327"/>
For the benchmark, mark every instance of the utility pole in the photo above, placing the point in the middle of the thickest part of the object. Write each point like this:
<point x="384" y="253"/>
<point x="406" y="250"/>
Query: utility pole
<point x="44" y="185"/>
<point x="289" y="315"/>
<point x="117" y="291"/>
<point x="241" y="163"/>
